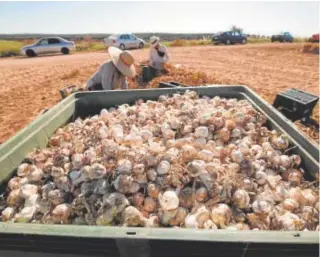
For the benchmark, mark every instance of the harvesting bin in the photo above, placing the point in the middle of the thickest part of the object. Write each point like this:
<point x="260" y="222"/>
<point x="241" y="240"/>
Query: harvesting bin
<point x="61" y="240"/>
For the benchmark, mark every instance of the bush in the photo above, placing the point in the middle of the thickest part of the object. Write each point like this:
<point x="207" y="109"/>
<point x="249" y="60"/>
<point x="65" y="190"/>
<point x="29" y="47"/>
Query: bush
<point x="10" y="48"/>
<point x="179" y="42"/>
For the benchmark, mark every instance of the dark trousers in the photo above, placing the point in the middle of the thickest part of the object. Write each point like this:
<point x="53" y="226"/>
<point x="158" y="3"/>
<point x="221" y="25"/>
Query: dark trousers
<point x="96" y="87"/>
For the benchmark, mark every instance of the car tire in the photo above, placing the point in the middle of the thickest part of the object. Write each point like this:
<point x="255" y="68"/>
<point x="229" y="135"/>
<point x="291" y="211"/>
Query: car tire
<point x="244" y="41"/>
<point x="30" y="53"/>
<point x="122" y="47"/>
<point x="141" y="45"/>
<point x="65" y="50"/>
<point x="228" y="42"/>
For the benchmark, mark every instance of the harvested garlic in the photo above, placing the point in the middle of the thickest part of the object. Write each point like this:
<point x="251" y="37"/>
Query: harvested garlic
<point x="7" y="214"/>
<point x="168" y="200"/>
<point x="241" y="199"/>
<point x="261" y="206"/>
<point x="290" y="204"/>
<point x="132" y="217"/>
<point x="163" y="168"/>
<point x="202" y="194"/>
<point x="197" y="217"/>
<point x="221" y="215"/>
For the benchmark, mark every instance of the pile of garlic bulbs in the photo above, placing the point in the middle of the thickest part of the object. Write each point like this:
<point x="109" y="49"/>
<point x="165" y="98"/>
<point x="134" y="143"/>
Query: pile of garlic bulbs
<point x="181" y="161"/>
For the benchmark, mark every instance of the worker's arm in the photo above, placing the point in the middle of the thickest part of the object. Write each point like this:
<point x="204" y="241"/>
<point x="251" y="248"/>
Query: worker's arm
<point x="124" y="82"/>
<point x="153" y="57"/>
<point x="167" y="55"/>
<point x="107" y="71"/>
<point x="94" y="79"/>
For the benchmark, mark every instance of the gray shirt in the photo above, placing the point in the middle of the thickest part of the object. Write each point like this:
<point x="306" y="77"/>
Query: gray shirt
<point x="109" y="77"/>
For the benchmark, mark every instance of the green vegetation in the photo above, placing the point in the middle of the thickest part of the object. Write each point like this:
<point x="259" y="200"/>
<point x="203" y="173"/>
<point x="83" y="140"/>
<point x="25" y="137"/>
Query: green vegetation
<point x="256" y="40"/>
<point x="184" y="42"/>
<point x="93" y="46"/>
<point x="10" y="47"/>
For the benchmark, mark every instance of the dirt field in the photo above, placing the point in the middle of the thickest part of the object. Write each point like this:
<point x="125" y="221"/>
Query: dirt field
<point x="27" y="86"/>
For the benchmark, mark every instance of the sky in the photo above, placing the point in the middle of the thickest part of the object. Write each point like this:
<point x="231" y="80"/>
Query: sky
<point x="265" y="18"/>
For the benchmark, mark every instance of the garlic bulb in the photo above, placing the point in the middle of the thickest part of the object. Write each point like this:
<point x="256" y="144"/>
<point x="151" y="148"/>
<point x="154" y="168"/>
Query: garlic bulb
<point x="179" y="218"/>
<point x="310" y="196"/>
<point x="261" y="206"/>
<point x="138" y="199"/>
<point x="77" y="161"/>
<point x="149" y="204"/>
<point x="63" y="183"/>
<point x="290" y="204"/>
<point x="25" y="215"/>
<point x="197" y="217"/>
<point x="201" y="132"/>
<point x="14" y="198"/>
<point x="14" y="183"/>
<point x="186" y="198"/>
<point x="8" y="213"/>
<point x="124" y="167"/>
<point x="188" y="153"/>
<point x="35" y="175"/>
<point x="163" y="168"/>
<point x="61" y="213"/>
<point x="290" y="221"/>
<point x="152" y="175"/>
<point x="261" y="178"/>
<point x="132" y="217"/>
<point x="153" y="190"/>
<point x="202" y="194"/>
<point x="196" y="167"/>
<point x="56" y="197"/>
<point x="168" y="200"/>
<point x="28" y="190"/>
<point x="295" y="177"/>
<point x="221" y="215"/>
<point x="280" y="193"/>
<point x="295" y="193"/>
<point x="153" y="222"/>
<point x="125" y="184"/>
<point x="237" y="156"/>
<point x="166" y="216"/>
<point x="241" y="199"/>
<point x="280" y="142"/>
<point x="209" y="225"/>
<point x="206" y="155"/>
<point x="23" y="169"/>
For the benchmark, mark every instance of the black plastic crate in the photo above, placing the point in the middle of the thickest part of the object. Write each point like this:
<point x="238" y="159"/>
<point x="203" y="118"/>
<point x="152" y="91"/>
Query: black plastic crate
<point x="296" y="104"/>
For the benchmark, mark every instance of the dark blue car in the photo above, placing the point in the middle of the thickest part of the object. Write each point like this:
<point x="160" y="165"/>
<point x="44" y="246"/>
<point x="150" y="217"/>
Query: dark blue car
<point x="229" y="37"/>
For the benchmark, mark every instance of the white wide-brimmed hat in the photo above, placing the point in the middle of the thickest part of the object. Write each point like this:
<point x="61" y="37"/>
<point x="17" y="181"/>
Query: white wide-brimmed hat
<point x="123" y="60"/>
<point x="154" y="40"/>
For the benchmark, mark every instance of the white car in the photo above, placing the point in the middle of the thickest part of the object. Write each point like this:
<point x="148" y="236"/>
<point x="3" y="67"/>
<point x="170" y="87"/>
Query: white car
<point x="124" y="41"/>
<point x="48" y="45"/>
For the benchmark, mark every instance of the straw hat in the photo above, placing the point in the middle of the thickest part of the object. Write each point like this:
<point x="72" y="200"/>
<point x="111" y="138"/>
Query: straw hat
<point x="123" y="60"/>
<point x="154" y="40"/>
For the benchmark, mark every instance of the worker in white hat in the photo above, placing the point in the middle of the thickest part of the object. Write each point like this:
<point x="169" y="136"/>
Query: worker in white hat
<point x="113" y="73"/>
<point x="159" y="55"/>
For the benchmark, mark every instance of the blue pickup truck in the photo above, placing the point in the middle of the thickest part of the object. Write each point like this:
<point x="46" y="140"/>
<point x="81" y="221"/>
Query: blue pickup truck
<point x="283" y="37"/>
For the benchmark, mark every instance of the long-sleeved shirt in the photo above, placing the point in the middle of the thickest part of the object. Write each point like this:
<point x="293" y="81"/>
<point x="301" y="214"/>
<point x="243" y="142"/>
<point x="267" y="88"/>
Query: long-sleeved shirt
<point x="157" y="61"/>
<point x="109" y="77"/>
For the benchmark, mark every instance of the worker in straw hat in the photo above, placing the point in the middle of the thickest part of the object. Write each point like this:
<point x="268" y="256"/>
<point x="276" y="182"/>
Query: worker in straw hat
<point x="159" y="55"/>
<point x="113" y="73"/>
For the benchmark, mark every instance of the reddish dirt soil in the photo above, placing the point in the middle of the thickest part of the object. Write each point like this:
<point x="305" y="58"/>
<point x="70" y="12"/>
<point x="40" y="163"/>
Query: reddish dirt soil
<point x="27" y="86"/>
